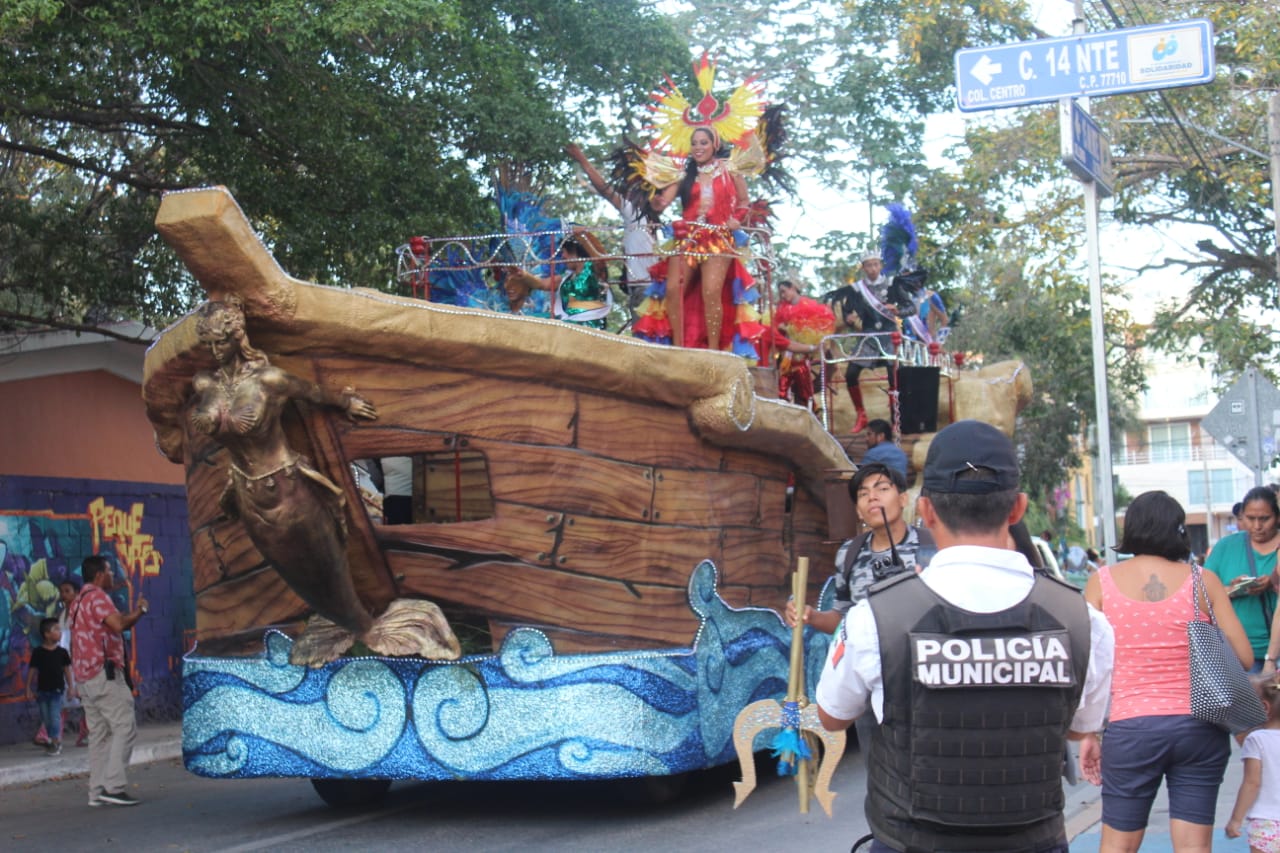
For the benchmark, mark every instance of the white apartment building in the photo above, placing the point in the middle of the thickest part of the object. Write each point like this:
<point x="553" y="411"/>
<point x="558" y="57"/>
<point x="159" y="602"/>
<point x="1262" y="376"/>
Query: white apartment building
<point x="1172" y="453"/>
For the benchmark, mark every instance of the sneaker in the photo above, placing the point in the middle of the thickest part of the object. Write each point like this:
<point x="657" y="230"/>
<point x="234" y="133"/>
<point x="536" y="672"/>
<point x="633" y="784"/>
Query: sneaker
<point x="120" y="799"/>
<point x="55" y="748"/>
<point x="94" y="802"/>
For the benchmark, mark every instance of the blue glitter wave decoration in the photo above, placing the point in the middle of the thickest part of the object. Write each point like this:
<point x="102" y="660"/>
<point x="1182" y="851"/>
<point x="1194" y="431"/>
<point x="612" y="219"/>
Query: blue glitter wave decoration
<point x="524" y="713"/>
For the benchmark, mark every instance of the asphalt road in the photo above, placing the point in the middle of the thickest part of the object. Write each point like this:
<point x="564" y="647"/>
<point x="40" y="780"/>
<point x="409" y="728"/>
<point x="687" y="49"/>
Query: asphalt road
<point x="182" y="812"/>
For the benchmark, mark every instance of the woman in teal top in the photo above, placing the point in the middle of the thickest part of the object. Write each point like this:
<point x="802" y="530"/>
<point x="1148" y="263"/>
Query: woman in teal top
<point x="1251" y="553"/>
<point x="578" y="296"/>
<point x="581" y="298"/>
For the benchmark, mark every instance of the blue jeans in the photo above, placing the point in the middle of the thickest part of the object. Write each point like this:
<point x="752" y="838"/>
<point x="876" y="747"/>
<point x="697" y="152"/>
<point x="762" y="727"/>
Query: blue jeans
<point x="50" y="704"/>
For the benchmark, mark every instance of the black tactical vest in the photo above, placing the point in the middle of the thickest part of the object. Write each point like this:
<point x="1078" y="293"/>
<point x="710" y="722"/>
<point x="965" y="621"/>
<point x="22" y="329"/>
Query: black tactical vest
<point x="968" y="756"/>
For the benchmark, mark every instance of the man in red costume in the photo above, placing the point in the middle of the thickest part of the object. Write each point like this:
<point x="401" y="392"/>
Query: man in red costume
<point x="799" y="324"/>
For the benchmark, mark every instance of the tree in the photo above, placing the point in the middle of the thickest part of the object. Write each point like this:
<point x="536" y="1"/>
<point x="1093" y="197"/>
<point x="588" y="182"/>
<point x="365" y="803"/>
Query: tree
<point x="1046" y="324"/>
<point x="341" y="126"/>
<point x="1182" y="157"/>
<point x="1186" y="159"/>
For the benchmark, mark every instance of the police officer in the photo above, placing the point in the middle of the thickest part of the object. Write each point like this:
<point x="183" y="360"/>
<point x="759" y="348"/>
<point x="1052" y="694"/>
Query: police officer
<point x="978" y="670"/>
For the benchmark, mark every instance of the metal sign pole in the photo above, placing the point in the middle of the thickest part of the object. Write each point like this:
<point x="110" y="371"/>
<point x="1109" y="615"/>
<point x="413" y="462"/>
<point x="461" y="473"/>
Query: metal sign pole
<point x="1255" y="426"/>
<point x="1106" y="489"/>
<point x="1106" y="492"/>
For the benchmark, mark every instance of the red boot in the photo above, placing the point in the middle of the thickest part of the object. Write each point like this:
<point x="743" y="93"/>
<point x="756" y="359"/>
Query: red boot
<point x="855" y="394"/>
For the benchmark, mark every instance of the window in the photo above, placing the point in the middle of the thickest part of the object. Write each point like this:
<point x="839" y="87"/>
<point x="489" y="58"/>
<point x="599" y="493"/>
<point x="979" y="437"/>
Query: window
<point x="455" y="487"/>
<point x="430" y="488"/>
<point x="1169" y="442"/>
<point x="1221" y="485"/>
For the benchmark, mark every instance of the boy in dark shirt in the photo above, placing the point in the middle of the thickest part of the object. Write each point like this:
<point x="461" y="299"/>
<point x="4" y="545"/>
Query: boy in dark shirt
<point x="47" y="674"/>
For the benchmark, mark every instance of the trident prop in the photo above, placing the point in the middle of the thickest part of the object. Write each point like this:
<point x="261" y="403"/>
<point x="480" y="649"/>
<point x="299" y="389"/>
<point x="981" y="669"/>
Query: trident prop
<point x="797" y="721"/>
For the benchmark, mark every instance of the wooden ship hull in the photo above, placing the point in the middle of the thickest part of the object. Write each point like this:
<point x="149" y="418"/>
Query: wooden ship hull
<point x="565" y="479"/>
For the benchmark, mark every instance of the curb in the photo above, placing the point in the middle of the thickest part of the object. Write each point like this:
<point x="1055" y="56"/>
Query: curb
<point x="70" y="766"/>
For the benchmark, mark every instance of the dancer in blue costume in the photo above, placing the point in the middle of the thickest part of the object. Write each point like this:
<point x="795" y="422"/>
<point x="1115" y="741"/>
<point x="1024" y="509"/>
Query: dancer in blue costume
<point x="924" y="314"/>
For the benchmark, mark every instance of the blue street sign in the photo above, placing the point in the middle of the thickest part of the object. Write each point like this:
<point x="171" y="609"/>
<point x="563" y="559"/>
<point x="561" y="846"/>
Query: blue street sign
<point x="1135" y="59"/>
<point x="1086" y="151"/>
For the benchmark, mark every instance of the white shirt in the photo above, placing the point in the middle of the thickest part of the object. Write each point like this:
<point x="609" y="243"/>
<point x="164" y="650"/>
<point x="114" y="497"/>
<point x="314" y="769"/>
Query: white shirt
<point x="637" y="245"/>
<point x="1264" y="745"/>
<point x="397" y="475"/>
<point x="974" y="578"/>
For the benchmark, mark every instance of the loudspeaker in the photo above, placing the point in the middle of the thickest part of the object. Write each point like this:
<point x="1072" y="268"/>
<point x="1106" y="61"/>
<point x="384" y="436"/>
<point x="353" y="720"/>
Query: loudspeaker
<point x="918" y="399"/>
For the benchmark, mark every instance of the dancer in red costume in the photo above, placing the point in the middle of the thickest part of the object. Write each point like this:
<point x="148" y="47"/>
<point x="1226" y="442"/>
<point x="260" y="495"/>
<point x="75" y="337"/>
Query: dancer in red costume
<point x="714" y="205"/>
<point x="701" y="154"/>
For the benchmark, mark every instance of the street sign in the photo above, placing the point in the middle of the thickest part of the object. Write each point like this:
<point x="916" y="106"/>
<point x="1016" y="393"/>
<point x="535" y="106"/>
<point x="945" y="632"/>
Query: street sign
<point x="1086" y="151"/>
<point x="1247" y="420"/>
<point x="1134" y="59"/>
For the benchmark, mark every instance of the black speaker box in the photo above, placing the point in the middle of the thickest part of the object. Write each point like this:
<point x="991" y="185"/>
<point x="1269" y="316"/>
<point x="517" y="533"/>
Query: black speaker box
<point x="918" y="399"/>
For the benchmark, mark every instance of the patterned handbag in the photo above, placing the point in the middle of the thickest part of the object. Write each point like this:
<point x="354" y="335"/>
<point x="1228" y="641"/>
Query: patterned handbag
<point x="1221" y="692"/>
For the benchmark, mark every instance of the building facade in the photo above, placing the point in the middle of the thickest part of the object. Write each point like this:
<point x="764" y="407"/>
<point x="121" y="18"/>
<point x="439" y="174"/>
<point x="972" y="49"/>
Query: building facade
<point x="1172" y="452"/>
<point x="80" y="475"/>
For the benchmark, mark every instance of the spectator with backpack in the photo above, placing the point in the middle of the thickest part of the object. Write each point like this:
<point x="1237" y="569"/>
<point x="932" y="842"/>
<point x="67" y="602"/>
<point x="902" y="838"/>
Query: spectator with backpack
<point x="887" y="547"/>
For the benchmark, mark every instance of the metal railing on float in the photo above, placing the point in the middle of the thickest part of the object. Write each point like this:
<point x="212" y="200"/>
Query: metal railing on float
<point x="895" y="348"/>
<point x="420" y="257"/>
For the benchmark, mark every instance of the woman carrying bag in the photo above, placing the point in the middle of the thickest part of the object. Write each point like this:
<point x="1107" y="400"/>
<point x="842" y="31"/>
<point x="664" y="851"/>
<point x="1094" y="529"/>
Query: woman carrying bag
<point x="1152" y="735"/>
<point x="1245" y="562"/>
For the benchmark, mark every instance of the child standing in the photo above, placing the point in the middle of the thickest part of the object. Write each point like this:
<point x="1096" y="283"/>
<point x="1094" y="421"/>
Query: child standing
<point x="1258" y="803"/>
<point x="47" y="674"/>
<point x="67" y="592"/>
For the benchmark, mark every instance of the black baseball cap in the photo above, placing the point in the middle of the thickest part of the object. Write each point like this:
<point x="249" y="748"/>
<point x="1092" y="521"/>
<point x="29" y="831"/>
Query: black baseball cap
<point x="968" y="446"/>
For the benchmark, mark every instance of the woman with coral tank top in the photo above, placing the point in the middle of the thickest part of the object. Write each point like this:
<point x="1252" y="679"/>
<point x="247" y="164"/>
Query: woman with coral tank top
<point x="1151" y="735"/>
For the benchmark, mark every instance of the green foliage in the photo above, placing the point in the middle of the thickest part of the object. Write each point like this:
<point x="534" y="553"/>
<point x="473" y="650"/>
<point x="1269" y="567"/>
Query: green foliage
<point x="1194" y="170"/>
<point x="341" y="126"/>
<point x="1041" y="316"/>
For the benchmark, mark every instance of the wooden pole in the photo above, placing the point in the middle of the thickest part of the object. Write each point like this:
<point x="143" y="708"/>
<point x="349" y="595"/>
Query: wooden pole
<point x="795" y="678"/>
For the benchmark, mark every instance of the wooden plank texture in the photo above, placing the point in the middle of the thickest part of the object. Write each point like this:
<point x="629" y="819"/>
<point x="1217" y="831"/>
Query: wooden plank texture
<point x="220" y="551"/>
<point x="549" y="597"/>
<point x="571" y="480"/>
<point x="448" y="401"/>
<point x="706" y="498"/>
<point x="754" y="556"/>
<point x="520" y="533"/>
<point x="760" y="464"/>
<point x="808" y="516"/>
<point x="647" y="434"/>
<point x="206" y="474"/>
<point x="641" y="553"/>
<point x="255" y="600"/>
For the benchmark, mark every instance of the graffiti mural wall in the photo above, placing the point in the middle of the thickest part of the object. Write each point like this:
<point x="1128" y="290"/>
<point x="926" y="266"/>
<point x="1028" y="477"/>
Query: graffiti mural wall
<point x="47" y="527"/>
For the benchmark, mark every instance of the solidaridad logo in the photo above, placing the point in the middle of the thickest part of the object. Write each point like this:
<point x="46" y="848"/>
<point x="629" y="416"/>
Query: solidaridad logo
<point x="1164" y="59"/>
<point x="1166" y="47"/>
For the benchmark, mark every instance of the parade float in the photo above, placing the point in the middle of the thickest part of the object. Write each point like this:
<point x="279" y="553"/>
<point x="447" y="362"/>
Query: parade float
<point x="608" y="522"/>
<point x="581" y="580"/>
